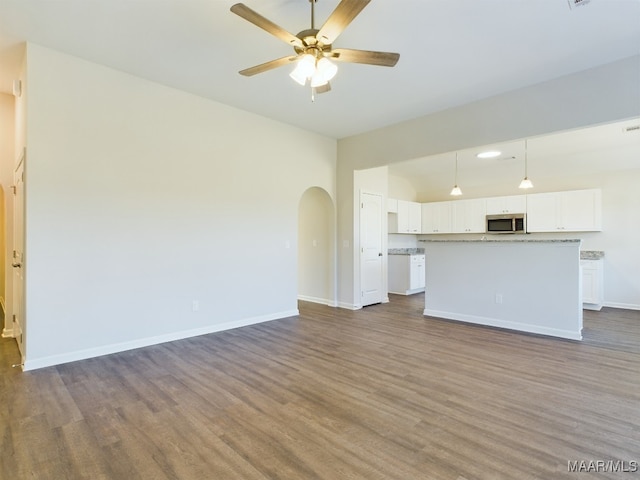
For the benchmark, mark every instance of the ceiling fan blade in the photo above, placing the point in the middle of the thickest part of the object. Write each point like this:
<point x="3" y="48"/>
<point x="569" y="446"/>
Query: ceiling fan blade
<point x="263" y="67"/>
<point x="342" y="16"/>
<point x="383" y="59"/>
<point x="254" y="17"/>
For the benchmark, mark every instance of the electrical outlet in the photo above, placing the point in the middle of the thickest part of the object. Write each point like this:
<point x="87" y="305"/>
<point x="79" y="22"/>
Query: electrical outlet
<point x="498" y="298"/>
<point x="195" y="305"/>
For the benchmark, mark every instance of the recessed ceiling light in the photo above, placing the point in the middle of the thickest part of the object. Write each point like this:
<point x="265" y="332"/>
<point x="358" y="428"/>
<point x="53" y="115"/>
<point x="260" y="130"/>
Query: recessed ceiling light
<point x="489" y="154"/>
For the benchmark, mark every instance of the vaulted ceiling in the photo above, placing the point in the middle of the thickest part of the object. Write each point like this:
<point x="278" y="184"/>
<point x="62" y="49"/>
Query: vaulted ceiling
<point x="451" y="52"/>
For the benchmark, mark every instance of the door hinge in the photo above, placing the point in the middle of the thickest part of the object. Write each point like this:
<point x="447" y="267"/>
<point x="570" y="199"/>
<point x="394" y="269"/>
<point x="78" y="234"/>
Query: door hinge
<point x="14" y="189"/>
<point x="14" y="318"/>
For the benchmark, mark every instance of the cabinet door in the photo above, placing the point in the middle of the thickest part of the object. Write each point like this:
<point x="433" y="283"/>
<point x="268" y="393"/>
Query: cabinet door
<point x="403" y="216"/>
<point x="508" y="204"/>
<point x="415" y="218"/>
<point x="468" y="216"/>
<point x="436" y="217"/>
<point x="573" y="211"/>
<point x="417" y="274"/>
<point x="592" y="288"/>
<point x="392" y="205"/>
<point x="542" y="212"/>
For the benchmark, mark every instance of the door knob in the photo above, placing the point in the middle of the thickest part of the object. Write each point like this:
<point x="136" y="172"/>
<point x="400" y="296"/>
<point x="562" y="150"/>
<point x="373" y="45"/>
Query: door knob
<point x="380" y="254"/>
<point x="16" y="265"/>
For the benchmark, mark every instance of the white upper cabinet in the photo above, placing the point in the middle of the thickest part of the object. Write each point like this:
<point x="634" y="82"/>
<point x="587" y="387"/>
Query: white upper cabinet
<point x="408" y="218"/>
<point x="508" y="204"/>
<point x="436" y="217"/>
<point x="392" y="205"/>
<point x="573" y="211"/>
<point x="468" y="216"/>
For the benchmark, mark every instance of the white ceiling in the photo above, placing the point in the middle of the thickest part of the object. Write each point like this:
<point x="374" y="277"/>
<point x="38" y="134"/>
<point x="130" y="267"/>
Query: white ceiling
<point x="452" y="52"/>
<point x="555" y="158"/>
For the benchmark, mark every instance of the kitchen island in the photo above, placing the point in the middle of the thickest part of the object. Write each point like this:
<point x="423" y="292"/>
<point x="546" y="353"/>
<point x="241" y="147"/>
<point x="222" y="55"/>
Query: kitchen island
<point x="527" y="285"/>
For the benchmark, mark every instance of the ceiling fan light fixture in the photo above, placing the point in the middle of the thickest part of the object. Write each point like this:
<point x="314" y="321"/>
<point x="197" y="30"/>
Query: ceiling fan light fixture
<point x="326" y="69"/>
<point x="305" y="68"/>
<point x="311" y="45"/>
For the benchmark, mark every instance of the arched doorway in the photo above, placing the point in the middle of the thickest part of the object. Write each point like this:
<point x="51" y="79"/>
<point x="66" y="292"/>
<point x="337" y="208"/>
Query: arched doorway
<point x="316" y="247"/>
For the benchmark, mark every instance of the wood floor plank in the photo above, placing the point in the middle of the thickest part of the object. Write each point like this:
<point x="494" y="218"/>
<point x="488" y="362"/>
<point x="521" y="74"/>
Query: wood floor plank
<point x="380" y="393"/>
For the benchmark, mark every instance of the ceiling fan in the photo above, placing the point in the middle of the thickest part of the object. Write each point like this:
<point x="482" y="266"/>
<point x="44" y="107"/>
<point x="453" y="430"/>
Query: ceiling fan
<point x="313" y="48"/>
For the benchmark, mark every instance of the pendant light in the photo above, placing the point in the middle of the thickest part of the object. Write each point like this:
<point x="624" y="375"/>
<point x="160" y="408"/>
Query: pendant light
<point x="525" y="183"/>
<point x="455" y="191"/>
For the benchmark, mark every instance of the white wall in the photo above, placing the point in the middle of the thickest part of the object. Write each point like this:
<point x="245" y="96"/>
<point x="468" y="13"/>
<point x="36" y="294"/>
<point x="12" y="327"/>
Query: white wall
<point x="142" y="199"/>
<point x="599" y="95"/>
<point x="316" y="247"/>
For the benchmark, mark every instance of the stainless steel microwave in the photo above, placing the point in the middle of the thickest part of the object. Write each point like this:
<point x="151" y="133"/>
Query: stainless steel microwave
<point x="507" y="223"/>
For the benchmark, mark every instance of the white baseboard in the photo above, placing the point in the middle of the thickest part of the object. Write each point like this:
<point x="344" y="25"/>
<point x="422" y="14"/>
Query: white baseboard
<point x="625" y="306"/>
<point x="322" y="301"/>
<point x="7" y="333"/>
<point x="349" y="306"/>
<point x="409" y="292"/>
<point x="495" y="322"/>
<point x="34" y="364"/>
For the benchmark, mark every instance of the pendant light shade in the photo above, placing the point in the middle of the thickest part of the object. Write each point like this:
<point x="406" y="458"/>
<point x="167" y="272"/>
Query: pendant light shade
<point x="525" y="183"/>
<point x="455" y="191"/>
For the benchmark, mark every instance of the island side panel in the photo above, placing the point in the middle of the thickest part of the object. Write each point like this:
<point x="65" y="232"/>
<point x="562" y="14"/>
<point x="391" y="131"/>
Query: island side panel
<point x="521" y="285"/>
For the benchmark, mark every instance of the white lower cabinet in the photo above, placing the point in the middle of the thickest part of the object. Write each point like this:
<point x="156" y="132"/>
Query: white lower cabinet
<point x="406" y="274"/>
<point x="592" y="280"/>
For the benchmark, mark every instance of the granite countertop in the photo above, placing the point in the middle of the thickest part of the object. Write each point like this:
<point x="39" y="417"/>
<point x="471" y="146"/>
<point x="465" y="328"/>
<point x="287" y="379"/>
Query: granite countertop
<point x="591" y="254"/>
<point x="506" y="240"/>
<point x="406" y="251"/>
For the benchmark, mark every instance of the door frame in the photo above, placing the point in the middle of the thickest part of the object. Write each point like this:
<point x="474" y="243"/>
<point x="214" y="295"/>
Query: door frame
<point x="18" y="316"/>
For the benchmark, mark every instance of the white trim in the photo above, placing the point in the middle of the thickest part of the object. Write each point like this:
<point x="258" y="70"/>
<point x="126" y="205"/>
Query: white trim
<point x="322" y="301"/>
<point x="146" y="342"/>
<point x="349" y="306"/>
<point x="495" y="322"/>
<point x="625" y="306"/>
<point x="7" y="333"/>
<point x="411" y="291"/>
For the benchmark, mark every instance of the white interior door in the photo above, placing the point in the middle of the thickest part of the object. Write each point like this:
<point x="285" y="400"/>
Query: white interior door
<point x="18" y="256"/>
<point x="371" y="271"/>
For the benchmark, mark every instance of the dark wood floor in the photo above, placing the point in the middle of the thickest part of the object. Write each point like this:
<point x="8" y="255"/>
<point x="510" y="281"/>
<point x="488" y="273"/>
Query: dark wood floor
<point x="381" y="393"/>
